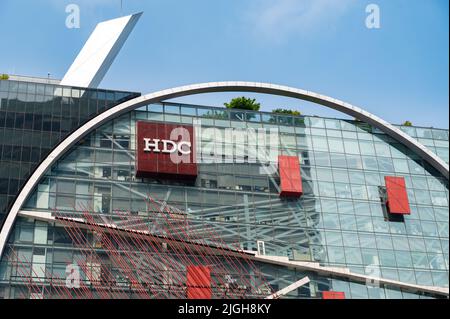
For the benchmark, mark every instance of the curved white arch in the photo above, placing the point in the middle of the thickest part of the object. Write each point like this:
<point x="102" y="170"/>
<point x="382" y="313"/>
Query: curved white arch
<point x="212" y="87"/>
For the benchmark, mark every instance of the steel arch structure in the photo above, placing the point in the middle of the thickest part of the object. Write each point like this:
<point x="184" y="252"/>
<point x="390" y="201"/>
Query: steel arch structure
<point x="213" y="87"/>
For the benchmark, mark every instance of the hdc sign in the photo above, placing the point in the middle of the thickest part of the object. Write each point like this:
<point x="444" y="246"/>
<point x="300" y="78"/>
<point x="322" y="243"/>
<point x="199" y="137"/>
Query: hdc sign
<point x="165" y="150"/>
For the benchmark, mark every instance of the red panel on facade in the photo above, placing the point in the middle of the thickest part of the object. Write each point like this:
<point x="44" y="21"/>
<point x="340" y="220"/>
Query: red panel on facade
<point x="397" y="197"/>
<point x="333" y="295"/>
<point x="165" y="150"/>
<point x="198" y="282"/>
<point x="290" y="178"/>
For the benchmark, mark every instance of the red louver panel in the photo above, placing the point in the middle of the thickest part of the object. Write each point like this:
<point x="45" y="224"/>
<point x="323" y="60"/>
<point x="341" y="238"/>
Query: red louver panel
<point x="397" y="197"/>
<point x="198" y="282"/>
<point x="290" y="178"/>
<point x="333" y="295"/>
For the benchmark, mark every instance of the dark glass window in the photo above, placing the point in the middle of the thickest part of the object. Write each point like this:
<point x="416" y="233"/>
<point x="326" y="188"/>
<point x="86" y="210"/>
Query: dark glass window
<point x="10" y="119"/>
<point x="26" y="154"/>
<point x="20" y="118"/>
<point x="7" y="150"/>
<point x="29" y="112"/>
<point x="105" y="142"/>
<point x="4" y="185"/>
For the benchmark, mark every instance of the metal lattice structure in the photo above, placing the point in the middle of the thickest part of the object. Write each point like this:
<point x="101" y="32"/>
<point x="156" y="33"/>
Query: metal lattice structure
<point x="125" y="255"/>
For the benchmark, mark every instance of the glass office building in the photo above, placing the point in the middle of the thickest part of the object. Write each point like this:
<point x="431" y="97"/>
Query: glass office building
<point x="341" y="219"/>
<point x="34" y="117"/>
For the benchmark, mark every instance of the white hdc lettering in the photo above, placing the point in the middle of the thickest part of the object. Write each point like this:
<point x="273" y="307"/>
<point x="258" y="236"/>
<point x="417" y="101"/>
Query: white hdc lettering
<point x="168" y="146"/>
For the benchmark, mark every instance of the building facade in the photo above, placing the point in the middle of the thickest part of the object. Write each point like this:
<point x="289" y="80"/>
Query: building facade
<point x="335" y="224"/>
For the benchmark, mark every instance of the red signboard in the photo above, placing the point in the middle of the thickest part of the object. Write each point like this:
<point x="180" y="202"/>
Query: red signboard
<point x="290" y="178"/>
<point x="165" y="150"/>
<point x="397" y="197"/>
<point x="333" y="295"/>
<point x="198" y="282"/>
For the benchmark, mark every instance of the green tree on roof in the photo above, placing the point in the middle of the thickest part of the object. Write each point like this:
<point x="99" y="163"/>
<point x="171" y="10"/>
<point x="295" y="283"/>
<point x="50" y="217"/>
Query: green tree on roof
<point x="286" y="111"/>
<point x="243" y="103"/>
<point x="407" y="123"/>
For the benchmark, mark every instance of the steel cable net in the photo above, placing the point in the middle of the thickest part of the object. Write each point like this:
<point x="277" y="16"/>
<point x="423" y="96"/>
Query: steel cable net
<point x="161" y="254"/>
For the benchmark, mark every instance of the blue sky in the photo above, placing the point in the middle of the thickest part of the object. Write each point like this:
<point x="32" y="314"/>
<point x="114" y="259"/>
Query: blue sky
<point x="398" y="72"/>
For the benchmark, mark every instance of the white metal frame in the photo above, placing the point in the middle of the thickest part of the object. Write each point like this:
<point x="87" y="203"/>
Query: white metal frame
<point x="289" y="288"/>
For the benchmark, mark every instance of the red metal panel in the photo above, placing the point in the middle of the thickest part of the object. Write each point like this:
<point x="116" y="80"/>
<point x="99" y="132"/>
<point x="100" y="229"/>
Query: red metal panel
<point x="397" y="197"/>
<point x="155" y="162"/>
<point x="198" y="282"/>
<point x="290" y="178"/>
<point x="333" y="295"/>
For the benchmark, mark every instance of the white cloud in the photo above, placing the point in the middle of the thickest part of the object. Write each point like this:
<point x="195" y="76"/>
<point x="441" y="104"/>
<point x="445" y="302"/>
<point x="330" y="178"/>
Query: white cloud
<point x="279" y="19"/>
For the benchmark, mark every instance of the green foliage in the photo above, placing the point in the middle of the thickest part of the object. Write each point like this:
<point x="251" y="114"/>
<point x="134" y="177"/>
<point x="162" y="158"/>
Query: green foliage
<point x="286" y="111"/>
<point x="4" y="77"/>
<point x="216" y="114"/>
<point x="243" y="103"/>
<point x="407" y="123"/>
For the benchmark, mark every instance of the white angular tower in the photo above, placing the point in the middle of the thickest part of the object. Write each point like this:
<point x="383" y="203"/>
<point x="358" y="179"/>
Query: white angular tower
<point x="99" y="52"/>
